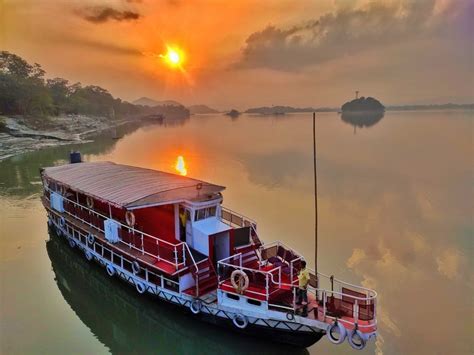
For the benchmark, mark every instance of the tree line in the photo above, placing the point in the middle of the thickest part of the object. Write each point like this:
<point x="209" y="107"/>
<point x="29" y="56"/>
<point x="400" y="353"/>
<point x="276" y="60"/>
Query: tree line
<point x="24" y="90"/>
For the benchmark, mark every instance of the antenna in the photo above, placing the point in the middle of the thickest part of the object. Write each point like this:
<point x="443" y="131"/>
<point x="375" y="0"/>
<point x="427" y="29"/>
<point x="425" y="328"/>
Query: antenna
<point x="315" y="199"/>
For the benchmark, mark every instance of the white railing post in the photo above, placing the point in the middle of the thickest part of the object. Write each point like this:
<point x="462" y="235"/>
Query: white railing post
<point x="356" y="311"/>
<point x="175" y="251"/>
<point x="267" y="291"/>
<point x="279" y="276"/>
<point x="324" y="304"/>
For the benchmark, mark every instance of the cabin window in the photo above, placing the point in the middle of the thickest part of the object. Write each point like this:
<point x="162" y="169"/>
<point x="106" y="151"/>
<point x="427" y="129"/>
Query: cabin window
<point x="254" y="302"/>
<point x="204" y="213"/>
<point x="232" y="296"/>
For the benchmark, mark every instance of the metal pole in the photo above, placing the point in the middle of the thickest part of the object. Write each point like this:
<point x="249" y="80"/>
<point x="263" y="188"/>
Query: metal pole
<point x="315" y="201"/>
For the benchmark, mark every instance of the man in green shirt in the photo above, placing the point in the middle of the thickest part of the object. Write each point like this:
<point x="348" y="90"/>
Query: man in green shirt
<point x="303" y="281"/>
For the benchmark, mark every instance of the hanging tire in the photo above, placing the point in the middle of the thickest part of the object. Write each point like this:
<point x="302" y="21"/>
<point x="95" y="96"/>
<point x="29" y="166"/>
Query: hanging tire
<point x="356" y="339"/>
<point x="62" y="222"/>
<point x="195" y="306"/>
<point x="141" y="288"/>
<point x="136" y="267"/>
<point x="290" y="316"/>
<point x="88" y="255"/>
<point x="240" y="321"/>
<point x="336" y="333"/>
<point x="59" y="232"/>
<point x="72" y="243"/>
<point x="110" y="269"/>
<point x="90" y="238"/>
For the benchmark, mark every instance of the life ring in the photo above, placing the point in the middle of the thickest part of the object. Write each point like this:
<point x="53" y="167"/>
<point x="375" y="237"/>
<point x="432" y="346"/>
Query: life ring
<point x="240" y="321"/>
<point x="356" y="339"/>
<point x="90" y="238"/>
<point x="90" y="202"/>
<point x="130" y="218"/>
<point x="239" y="280"/>
<point x="110" y="269"/>
<point x="72" y="243"/>
<point x="62" y="221"/>
<point x="88" y="255"/>
<point x="136" y="267"/>
<point x="141" y="288"/>
<point x="195" y="306"/>
<point x="333" y="330"/>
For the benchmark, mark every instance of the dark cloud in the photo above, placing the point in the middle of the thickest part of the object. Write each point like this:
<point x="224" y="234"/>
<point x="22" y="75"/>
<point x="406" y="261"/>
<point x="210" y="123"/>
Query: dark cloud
<point x="104" y="14"/>
<point x="345" y="31"/>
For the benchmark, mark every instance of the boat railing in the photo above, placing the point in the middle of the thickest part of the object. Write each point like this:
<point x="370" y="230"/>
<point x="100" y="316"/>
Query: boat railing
<point x="271" y="277"/>
<point x="173" y="254"/>
<point x="235" y="219"/>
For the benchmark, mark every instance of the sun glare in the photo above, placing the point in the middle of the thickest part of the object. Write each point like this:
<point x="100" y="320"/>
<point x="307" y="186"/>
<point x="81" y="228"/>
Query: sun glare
<point x="173" y="57"/>
<point x="181" y="166"/>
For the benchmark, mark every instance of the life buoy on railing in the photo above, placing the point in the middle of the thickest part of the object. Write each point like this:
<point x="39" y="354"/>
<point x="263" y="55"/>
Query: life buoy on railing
<point x="62" y="221"/>
<point x="356" y="339"/>
<point x="88" y="255"/>
<point x="240" y="321"/>
<point x="90" y="238"/>
<point x="195" y="306"/>
<point x="72" y="243"/>
<point x="90" y="202"/>
<point x="110" y="269"/>
<point x="136" y="267"/>
<point x="239" y="280"/>
<point x="141" y="288"/>
<point x="336" y="333"/>
<point x="130" y="218"/>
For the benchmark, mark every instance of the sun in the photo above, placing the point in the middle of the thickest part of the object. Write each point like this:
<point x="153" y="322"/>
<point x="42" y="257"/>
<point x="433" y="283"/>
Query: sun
<point x="174" y="57"/>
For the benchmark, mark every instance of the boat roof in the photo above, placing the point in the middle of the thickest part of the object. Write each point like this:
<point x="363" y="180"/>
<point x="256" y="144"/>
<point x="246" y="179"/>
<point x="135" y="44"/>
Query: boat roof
<point x="131" y="187"/>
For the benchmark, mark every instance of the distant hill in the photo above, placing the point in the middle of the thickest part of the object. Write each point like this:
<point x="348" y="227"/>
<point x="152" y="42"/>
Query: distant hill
<point x="363" y="104"/>
<point x="431" y="107"/>
<point x="233" y="113"/>
<point x="146" y="101"/>
<point x="279" y="110"/>
<point x="197" y="109"/>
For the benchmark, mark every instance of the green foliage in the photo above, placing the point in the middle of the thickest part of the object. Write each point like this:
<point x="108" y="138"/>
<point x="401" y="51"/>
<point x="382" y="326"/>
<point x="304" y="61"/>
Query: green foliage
<point x="24" y="91"/>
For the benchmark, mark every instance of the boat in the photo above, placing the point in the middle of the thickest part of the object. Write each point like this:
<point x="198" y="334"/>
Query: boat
<point x="171" y="236"/>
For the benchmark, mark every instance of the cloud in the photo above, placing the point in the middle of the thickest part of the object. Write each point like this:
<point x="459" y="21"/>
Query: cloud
<point x="346" y="31"/>
<point x="104" y="14"/>
<point x="449" y="262"/>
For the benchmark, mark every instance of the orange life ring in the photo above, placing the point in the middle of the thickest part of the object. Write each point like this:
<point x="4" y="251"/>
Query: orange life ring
<point x="90" y="202"/>
<point x="239" y="280"/>
<point x="130" y="218"/>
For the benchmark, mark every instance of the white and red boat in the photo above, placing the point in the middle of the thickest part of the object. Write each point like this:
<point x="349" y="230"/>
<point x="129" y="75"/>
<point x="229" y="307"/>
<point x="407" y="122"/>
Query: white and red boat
<point x="170" y="236"/>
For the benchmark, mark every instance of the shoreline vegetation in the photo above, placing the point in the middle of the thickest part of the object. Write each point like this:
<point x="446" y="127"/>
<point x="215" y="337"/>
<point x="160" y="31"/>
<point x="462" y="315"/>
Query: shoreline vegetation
<point x="36" y="112"/>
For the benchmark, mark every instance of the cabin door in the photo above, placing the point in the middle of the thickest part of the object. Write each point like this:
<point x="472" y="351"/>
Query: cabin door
<point x="189" y="228"/>
<point x="220" y="246"/>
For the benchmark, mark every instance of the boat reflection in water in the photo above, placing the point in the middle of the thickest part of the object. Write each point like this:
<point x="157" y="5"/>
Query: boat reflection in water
<point x="362" y="119"/>
<point x="126" y="322"/>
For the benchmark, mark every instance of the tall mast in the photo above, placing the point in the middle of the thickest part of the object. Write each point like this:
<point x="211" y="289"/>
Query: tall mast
<point x="315" y="198"/>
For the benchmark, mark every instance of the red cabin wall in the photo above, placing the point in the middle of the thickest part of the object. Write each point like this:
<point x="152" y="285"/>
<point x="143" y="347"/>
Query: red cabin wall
<point x="158" y="221"/>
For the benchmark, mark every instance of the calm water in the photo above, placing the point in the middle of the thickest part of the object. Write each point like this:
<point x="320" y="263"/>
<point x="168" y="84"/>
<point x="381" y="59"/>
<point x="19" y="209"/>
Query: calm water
<point x="396" y="214"/>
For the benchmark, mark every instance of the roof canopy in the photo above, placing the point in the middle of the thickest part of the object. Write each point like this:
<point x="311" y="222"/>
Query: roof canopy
<point x="128" y="186"/>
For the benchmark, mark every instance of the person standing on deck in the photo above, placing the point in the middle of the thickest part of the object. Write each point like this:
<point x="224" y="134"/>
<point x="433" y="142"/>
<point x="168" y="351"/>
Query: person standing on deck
<point x="182" y="224"/>
<point x="303" y="281"/>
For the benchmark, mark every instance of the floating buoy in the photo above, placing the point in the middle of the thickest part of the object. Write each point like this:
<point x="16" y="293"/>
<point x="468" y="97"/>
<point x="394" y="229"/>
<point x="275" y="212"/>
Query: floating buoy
<point x="136" y="267"/>
<point x="356" y="339"/>
<point x="336" y="333"/>
<point x="140" y="287"/>
<point x="240" y="321"/>
<point x="110" y="269"/>
<point x="88" y="255"/>
<point x="195" y="306"/>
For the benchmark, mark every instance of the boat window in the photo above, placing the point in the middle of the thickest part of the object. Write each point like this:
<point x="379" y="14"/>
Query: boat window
<point x="254" y="302"/>
<point x="204" y="213"/>
<point x="232" y="296"/>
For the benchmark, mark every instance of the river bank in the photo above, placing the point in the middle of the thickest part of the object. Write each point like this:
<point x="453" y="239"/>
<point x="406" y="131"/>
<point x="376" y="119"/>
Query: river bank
<point x="20" y="134"/>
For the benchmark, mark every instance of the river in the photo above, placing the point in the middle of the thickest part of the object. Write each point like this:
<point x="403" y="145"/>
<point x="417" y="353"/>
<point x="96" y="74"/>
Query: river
<point x="395" y="214"/>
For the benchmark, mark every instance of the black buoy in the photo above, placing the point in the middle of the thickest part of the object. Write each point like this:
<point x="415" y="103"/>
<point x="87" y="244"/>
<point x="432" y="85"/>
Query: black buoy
<point x="75" y="157"/>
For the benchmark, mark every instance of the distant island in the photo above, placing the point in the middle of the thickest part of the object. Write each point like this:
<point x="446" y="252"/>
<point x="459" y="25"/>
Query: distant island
<point x="362" y="105"/>
<point x="201" y="109"/>
<point x="146" y="101"/>
<point x="278" y="110"/>
<point x="233" y="113"/>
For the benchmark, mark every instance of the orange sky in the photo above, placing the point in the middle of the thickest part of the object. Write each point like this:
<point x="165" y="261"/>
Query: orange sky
<point x="249" y="53"/>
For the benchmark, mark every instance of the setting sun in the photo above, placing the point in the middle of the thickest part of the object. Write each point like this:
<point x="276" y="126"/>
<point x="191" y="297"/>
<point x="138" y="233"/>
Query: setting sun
<point x="174" y="57"/>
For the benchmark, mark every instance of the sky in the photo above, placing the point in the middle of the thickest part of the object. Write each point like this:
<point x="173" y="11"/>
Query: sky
<point x="246" y="53"/>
